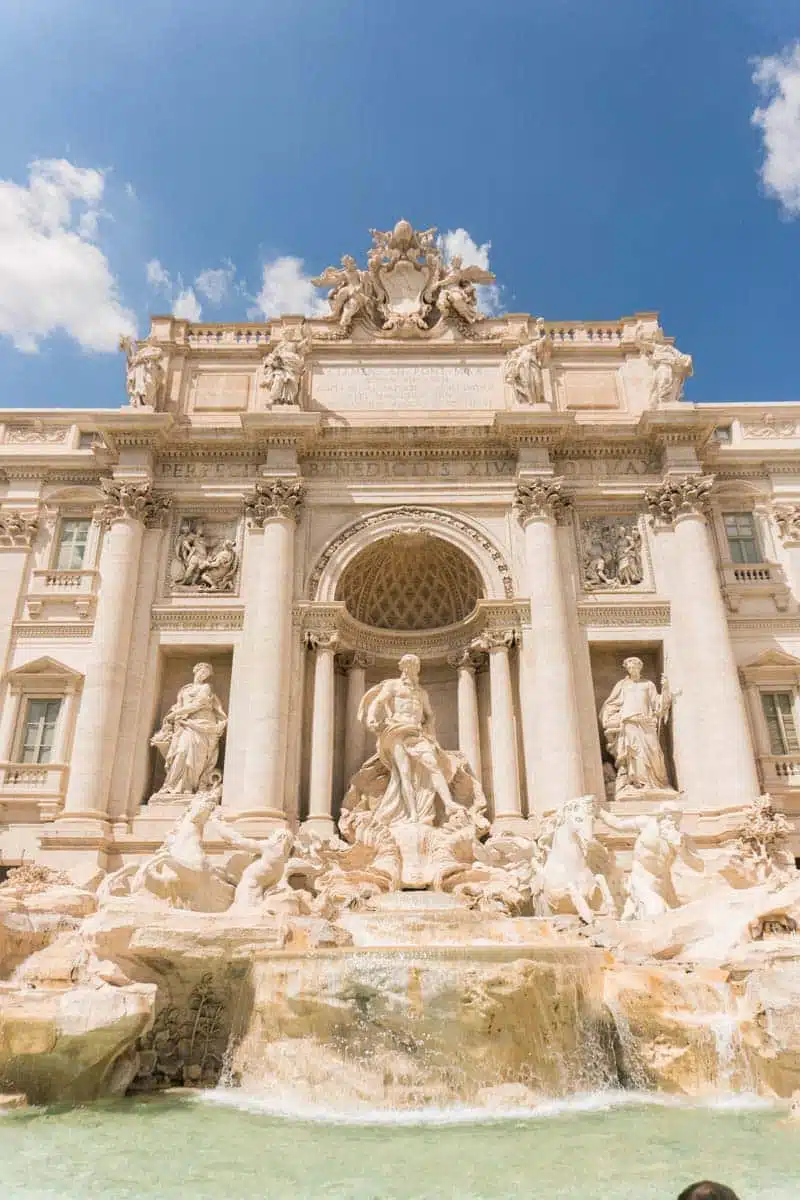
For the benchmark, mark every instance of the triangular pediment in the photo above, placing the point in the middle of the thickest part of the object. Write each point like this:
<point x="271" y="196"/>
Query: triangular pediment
<point x="772" y="658"/>
<point x="43" y="666"/>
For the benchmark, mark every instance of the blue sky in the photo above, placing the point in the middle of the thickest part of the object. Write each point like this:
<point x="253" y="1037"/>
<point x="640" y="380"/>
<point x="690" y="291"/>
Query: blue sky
<point x="211" y="157"/>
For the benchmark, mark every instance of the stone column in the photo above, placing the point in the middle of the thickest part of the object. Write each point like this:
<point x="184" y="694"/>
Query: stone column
<point x="557" y="771"/>
<point x="18" y="532"/>
<point x="469" y="734"/>
<point x="266" y="644"/>
<point x="787" y="517"/>
<point x="127" y="507"/>
<point x="712" y="738"/>
<point x="502" y="730"/>
<point x="320" y="790"/>
<point x="354" y="732"/>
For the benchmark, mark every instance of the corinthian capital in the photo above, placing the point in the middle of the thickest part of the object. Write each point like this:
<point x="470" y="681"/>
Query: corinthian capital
<point x="18" y="529"/>
<point x="278" y="498"/>
<point x="540" y="499"/>
<point x="136" y="501"/>
<point x="679" y="497"/>
<point x="788" y="520"/>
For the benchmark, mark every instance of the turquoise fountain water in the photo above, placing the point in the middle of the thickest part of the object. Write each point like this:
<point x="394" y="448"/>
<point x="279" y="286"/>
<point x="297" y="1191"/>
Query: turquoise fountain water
<point x="221" y="1145"/>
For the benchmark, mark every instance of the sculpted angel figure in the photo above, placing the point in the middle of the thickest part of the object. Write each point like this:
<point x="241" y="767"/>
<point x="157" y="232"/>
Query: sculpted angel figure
<point x="650" y="890"/>
<point x="282" y="371"/>
<point x="190" y="734"/>
<point x="350" y="294"/>
<point x="399" y="713"/>
<point x="632" y="719"/>
<point x="455" y="293"/>
<point x="145" y="375"/>
<point x="523" y="368"/>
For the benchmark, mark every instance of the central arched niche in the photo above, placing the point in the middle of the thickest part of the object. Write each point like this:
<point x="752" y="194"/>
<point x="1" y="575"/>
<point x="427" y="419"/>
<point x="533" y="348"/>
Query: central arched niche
<point x="410" y="581"/>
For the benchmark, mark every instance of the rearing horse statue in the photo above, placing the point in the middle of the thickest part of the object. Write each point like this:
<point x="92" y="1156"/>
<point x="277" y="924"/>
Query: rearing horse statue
<point x="570" y="880"/>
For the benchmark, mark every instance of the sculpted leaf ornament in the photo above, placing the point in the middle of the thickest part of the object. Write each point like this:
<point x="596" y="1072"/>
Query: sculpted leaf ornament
<point x="679" y="497"/>
<point x="278" y="499"/>
<point x="540" y="499"/>
<point x="136" y="501"/>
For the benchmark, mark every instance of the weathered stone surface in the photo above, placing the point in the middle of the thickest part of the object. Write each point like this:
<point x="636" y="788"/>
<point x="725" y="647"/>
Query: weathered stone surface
<point x="64" y="1045"/>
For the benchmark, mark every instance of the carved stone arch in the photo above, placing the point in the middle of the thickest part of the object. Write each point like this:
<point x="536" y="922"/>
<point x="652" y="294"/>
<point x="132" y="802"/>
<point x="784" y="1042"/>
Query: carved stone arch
<point x="488" y="559"/>
<point x="75" y="494"/>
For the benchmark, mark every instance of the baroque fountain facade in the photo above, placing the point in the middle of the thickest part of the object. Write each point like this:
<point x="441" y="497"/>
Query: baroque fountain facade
<point x="400" y="705"/>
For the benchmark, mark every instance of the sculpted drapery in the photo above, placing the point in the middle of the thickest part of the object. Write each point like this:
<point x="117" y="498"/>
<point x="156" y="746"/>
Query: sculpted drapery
<point x="190" y="734"/>
<point x="632" y="718"/>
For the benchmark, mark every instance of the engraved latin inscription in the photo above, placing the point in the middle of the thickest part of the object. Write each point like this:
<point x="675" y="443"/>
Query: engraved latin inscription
<point x="407" y="385"/>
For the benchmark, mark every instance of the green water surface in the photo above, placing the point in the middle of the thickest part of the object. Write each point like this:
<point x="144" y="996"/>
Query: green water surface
<point x="203" y="1150"/>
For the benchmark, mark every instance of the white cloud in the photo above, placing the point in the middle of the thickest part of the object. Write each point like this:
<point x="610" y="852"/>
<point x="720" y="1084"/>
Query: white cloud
<point x="53" y="274"/>
<point x="778" y="78"/>
<point x="459" y="243"/>
<point x="187" y="306"/>
<point x="285" y="289"/>
<point x="158" y="277"/>
<point x="215" y="283"/>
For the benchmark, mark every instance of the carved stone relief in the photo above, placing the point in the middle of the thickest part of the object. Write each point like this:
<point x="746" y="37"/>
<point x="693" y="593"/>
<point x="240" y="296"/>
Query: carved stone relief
<point x="788" y="521"/>
<point x="18" y="529"/>
<point x="611" y="553"/>
<point x="205" y="556"/>
<point x="407" y="290"/>
<point x="31" y="434"/>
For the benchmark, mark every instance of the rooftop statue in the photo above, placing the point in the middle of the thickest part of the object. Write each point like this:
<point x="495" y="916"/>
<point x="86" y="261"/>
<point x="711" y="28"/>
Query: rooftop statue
<point x="145" y="372"/>
<point x="407" y="289"/>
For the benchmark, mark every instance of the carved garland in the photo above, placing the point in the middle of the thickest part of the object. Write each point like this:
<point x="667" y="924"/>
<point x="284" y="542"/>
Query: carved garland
<point x="416" y="514"/>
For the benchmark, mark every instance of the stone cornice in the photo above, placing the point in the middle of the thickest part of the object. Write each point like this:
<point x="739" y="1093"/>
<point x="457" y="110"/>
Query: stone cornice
<point x="684" y="426"/>
<point x="134" y="427"/>
<point x="502" y="617"/>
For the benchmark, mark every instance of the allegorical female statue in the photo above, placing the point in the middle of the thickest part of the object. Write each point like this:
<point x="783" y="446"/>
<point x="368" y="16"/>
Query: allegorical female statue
<point x="632" y="718"/>
<point x="190" y="734"/>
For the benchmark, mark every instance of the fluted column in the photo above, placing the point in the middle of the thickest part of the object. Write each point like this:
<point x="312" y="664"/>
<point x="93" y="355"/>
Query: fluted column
<point x="502" y="729"/>
<point x="274" y="510"/>
<point x="715" y="760"/>
<point x="354" y="733"/>
<point x="128" y="506"/>
<point x="320" y="790"/>
<point x="469" y="733"/>
<point x="555" y="733"/>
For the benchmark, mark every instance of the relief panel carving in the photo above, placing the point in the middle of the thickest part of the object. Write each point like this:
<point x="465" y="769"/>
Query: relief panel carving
<point x="611" y="553"/>
<point x="205" y="556"/>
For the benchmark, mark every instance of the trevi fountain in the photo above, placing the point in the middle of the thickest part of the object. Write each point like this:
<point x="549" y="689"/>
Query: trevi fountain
<point x="400" y="774"/>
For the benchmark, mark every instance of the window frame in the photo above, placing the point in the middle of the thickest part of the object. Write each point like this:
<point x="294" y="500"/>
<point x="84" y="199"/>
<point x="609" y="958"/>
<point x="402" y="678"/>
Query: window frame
<point x="783" y="728"/>
<point x="24" y="724"/>
<point x="736" y="539"/>
<point x="41" y="679"/>
<point x="63" y="519"/>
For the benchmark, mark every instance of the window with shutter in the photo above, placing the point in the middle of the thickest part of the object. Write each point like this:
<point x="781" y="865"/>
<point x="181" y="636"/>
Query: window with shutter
<point x="779" y="718"/>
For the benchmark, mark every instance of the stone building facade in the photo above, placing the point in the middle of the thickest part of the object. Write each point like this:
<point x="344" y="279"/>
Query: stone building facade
<point x="521" y="503"/>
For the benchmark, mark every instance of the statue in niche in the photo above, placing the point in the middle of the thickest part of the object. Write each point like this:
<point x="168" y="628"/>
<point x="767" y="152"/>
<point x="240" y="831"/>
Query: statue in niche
<point x="189" y="737"/>
<point x="145" y="372"/>
<point x="524" y="367"/>
<point x="574" y="878"/>
<point x="282" y="370"/>
<point x="410" y="784"/>
<point x="633" y="718"/>
<point x="201" y="562"/>
<point x="455" y="294"/>
<point x="650" y="890"/>
<point x="612" y="553"/>
<point x="670" y="367"/>
<point x="399" y="713"/>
